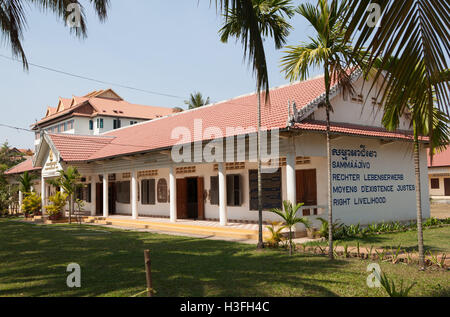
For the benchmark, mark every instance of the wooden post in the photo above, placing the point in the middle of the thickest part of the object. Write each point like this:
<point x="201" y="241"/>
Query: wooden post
<point x="148" y="272"/>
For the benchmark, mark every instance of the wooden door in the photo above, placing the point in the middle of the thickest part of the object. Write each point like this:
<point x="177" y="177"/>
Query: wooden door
<point x="99" y="198"/>
<point x="447" y="186"/>
<point x="112" y="197"/>
<point x="182" y="212"/>
<point x="201" y="198"/>
<point x="307" y="189"/>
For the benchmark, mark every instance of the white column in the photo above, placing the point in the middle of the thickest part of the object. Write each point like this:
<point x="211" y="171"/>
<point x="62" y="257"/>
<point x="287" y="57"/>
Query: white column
<point x="223" y="195"/>
<point x="291" y="186"/>
<point x="105" y="196"/>
<point x="20" y="199"/>
<point x="173" y="194"/>
<point x="43" y="193"/>
<point x="134" y="195"/>
<point x="93" y="196"/>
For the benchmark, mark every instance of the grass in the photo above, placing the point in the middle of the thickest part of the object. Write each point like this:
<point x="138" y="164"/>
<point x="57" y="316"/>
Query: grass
<point x="435" y="240"/>
<point x="33" y="261"/>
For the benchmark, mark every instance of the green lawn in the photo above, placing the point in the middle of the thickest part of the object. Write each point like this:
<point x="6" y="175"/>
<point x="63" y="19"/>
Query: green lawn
<point x="435" y="240"/>
<point x="33" y="262"/>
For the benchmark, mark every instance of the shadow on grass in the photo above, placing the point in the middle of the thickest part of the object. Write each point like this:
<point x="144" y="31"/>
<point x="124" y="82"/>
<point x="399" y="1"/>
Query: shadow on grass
<point x="33" y="261"/>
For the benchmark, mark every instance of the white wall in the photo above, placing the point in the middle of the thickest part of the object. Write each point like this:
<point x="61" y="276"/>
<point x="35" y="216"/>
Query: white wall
<point x="347" y="111"/>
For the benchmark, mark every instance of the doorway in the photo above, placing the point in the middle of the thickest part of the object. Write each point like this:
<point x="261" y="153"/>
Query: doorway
<point x="190" y="198"/>
<point x="112" y="195"/>
<point x="307" y="190"/>
<point x="99" y="199"/>
<point x="447" y="186"/>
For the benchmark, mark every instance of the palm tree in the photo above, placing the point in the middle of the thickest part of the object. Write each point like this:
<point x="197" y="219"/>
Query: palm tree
<point x="251" y="21"/>
<point x="196" y="100"/>
<point x="289" y="215"/>
<point x="69" y="181"/>
<point x="331" y="51"/>
<point x="13" y="19"/>
<point x="420" y="117"/>
<point x="413" y="32"/>
<point x="26" y="180"/>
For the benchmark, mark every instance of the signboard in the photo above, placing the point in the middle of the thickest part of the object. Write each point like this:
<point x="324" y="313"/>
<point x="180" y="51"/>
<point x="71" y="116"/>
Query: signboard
<point x="372" y="182"/>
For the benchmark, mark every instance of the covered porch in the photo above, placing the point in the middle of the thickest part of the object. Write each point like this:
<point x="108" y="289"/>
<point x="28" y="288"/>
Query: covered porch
<point x="217" y="194"/>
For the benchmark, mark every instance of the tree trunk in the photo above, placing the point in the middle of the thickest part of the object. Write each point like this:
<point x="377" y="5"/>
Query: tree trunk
<point x="70" y="208"/>
<point x="330" y="206"/>
<point x="419" y="203"/>
<point x="260" y="207"/>
<point x="330" y="201"/>
<point x="290" y="240"/>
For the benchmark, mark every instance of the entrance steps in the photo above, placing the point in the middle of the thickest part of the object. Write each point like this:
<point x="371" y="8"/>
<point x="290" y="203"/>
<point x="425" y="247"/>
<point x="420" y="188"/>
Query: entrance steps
<point x="232" y="232"/>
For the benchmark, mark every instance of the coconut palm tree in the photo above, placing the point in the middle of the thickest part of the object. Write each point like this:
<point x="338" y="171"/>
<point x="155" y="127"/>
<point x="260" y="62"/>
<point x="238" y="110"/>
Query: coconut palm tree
<point x="13" y="19"/>
<point x="417" y="108"/>
<point x="414" y="32"/>
<point x="26" y="181"/>
<point x="289" y="216"/>
<point x="196" y="100"/>
<point x="330" y="50"/>
<point x="251" y="21"/>
<point x="69" y="181"/>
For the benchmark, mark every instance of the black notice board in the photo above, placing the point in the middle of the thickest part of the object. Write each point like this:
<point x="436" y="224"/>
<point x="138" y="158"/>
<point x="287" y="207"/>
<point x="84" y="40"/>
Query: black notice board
<point x="271" y="190"/>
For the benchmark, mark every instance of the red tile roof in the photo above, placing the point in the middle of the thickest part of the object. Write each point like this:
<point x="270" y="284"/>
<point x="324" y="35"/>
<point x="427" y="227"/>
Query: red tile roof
<point x="238" y="112"/>
<point x="352" y="129"/>
<point x="106" y="107"/>
<point x="77" y="147"/>
<point x="25" y="166"/>
<point x="441" y="159"/>
<point x="128" y="110"/>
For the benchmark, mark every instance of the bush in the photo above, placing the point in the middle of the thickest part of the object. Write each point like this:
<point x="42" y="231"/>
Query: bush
<point x="32" y="204"/>
<point x="341" y="231"/>
<point x="58" y="201"/>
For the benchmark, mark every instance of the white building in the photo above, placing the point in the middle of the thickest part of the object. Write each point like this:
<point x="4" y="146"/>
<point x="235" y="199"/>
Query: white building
<point x="136" y="171"/>
<point x="93" y="114"/>
<point x="439" y="176"/>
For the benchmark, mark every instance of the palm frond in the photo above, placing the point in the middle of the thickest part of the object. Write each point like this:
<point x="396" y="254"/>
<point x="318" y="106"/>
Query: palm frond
<point x="13" y="20"/>
<point x="250" y="21"/>
<point x="414" y="32"/>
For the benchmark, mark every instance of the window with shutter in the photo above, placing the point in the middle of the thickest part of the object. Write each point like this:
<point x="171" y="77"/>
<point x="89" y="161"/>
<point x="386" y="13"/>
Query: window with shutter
<point x="148" y="192"/>
<point x="234" y="190"/>
<point x="214" y="190"/>
<point x="434" y="183"/>
<point x="123" y="192"/>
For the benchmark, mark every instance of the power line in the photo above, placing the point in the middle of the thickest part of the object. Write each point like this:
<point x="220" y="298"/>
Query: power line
<point x="15" y="128"/>
<point x="93" y="79"/>
<point x="113" y="84"/>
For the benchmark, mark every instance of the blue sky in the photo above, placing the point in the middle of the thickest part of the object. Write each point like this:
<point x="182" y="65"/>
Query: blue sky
<point x="170" y="47"/>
